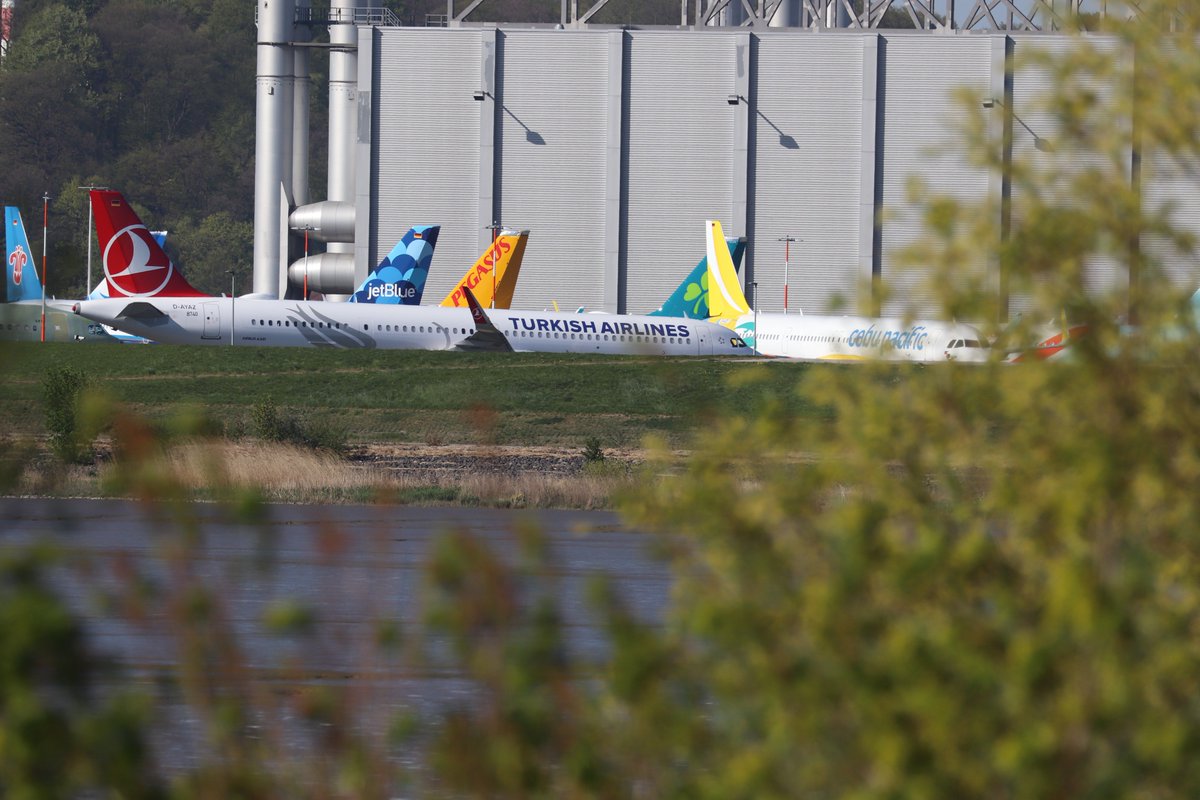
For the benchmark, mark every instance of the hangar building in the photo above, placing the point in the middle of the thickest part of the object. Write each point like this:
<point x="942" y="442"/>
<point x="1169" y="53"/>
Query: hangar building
<point x="614" y="145"/>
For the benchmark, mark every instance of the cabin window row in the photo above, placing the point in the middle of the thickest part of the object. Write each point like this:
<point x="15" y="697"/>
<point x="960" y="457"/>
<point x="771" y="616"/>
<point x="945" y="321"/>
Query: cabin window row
<point x="797" y="338"/>
<point x="287" y="323"/>
<point x="416" y="329"/>
<point x="17" y="326"/>
<point x="600" y="337"/>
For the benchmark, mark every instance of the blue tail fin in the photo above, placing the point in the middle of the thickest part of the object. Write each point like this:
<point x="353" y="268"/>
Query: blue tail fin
<point x="690" y="298"/>
<point x="400" y="277"/>
<point x="23" y="283"/>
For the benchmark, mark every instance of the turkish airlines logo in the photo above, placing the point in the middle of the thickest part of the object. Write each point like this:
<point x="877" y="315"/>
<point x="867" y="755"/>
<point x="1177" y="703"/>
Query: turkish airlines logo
<point x="127" y="258"/>
<point x="17" y="259"/>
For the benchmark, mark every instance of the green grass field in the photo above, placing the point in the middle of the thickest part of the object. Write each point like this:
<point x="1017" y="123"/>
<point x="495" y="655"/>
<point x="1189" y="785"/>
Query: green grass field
<point x="412" y="396"/>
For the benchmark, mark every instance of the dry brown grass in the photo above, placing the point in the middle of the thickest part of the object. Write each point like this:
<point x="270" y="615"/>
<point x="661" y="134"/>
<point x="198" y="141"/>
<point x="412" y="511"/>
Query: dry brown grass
<point x="269" y="466"/>
<point x="285" y="473"/>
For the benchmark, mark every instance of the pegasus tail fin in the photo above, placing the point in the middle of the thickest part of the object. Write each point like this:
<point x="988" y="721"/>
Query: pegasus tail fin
<point x="400" y="277"/>
<point x="726" y="301"/>
<point x="494" y="276"/>
<point x="23" y="283"/>
<point x="135" y="265"/>
<point x="690" y="298"/>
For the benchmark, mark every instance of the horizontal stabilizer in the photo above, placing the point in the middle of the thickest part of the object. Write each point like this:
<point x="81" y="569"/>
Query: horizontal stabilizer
<point x="144" y="312"/>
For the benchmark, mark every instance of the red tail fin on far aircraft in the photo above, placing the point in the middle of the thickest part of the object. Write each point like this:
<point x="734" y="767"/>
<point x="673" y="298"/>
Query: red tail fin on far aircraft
<point x="134" y="263"/>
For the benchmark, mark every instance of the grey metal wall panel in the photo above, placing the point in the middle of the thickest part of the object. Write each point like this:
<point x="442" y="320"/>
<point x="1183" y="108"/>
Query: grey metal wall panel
<point x="1169" y="187"/>
<point x="808" y="153"/>
<point x="680" y="140"/>
<point x="1036" y="142"/>
<point x="919" y="124"/>
<point x="426" y="145"/>
<point x="552" y="161"/>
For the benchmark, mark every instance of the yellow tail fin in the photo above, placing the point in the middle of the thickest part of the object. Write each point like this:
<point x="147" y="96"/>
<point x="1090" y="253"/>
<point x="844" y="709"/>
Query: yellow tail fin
<point x="726" y="302"/>
<point x="494" y="275"/>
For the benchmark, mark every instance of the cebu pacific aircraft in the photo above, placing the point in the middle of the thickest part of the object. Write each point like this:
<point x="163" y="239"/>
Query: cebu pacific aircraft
<point x="21" y="315"/>
<point x="819" y="338"/>
<point x="150" y="298"/>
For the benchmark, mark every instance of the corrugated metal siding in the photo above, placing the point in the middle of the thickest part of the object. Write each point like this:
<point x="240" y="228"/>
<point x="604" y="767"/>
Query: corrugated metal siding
<point x="1169" y="186"/>
<point x="680" y="150"/>
<point x="1031" y="86"/>
<point x="552" y="161"/>
<point x="426" y="146"/>
<point x="920" y="139"/>
<point x="806" y="169"/>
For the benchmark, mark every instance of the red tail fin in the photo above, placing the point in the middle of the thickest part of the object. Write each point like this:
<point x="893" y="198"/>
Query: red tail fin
<point x="134" y="263"/>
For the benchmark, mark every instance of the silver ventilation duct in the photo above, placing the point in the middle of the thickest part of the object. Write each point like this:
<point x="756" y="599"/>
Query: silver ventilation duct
<point x="328" y="273"/>
<point x="328" y="221"/>
<point x="300" y="98"/>
<point x="273" y="139"/>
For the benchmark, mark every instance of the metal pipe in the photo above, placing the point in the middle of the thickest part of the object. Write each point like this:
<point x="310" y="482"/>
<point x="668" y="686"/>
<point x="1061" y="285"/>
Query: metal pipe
<point x="273" y="138"/>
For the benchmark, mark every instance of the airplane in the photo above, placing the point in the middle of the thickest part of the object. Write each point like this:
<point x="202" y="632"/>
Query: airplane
<point x="1058" y="341"/>
<point x="820" y="338"/>
<point x="149" y="297"/>
<point x="21" y="315"/>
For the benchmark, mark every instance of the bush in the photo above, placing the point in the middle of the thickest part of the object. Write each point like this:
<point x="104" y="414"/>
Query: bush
<point x="592" y="451"/>
<point x="61" y="389"/>
<point x="272" y="425"/>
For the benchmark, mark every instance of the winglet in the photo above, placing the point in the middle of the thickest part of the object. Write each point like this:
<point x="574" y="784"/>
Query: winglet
<point x="23" y="283"/>
<point x="496" y="270"/>
<point x="400" y="277"/>
<point x="135" y="265"/>
<point x="486" y="336"/>
<point x="725" y="298"/>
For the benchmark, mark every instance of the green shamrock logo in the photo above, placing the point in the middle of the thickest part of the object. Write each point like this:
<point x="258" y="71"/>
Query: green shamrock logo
<point x="699" y="293"/>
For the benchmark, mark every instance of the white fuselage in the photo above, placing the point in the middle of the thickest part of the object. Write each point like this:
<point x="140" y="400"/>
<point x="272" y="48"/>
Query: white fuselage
<point x="821" y="338"/>
<point x="296" y="323"/>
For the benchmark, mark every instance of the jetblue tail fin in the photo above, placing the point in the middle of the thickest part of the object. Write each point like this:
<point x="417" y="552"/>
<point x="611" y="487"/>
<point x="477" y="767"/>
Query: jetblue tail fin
<point x="400" y="277"/>
<point x="135" y="265"/>
<point x="494" y="275"/>
<point x="690" y="298"/>
<point x="726" y="302"/>
<point x="23" y="283"/>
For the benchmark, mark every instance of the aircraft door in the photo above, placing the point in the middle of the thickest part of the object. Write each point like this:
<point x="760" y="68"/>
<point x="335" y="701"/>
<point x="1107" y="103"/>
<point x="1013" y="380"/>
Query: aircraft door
<point x="212" y="321"/>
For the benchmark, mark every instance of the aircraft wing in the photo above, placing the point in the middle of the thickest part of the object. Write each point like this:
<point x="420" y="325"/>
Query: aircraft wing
<point x="487" y="337"/>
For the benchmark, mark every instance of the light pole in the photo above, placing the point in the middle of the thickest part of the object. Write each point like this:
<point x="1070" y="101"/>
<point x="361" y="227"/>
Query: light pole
<point x="232" y="302"/>
<point x="89" y="189"/>
<point x="45" y="277"/>
<point x="495" y="229"/>
<point x="787" y="240"/>
<point x="754" y="292"/>
<point x="307" y="228"/>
